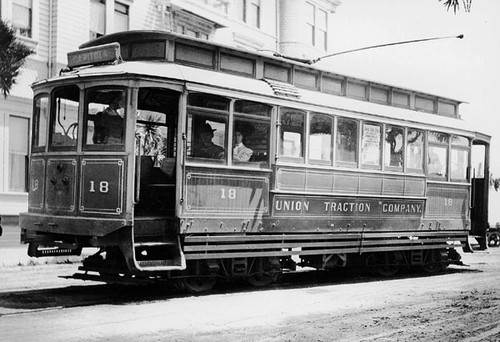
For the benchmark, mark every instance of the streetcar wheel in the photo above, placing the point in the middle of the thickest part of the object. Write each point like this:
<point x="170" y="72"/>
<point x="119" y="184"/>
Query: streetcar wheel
<point x="262" y="279"/>
<point x="494" y="240"/>
<point x="385" y="264"/>
<point x="264" y="271"/>
<point x="433" y="263"/>
<point x="199" y="284"/>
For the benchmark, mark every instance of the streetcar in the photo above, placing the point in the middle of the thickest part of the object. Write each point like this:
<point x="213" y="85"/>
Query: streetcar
<point x="181" y="160"/>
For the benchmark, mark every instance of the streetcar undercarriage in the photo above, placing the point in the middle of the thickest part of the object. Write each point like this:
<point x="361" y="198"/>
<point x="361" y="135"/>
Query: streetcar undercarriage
<point x="262" y="265"/>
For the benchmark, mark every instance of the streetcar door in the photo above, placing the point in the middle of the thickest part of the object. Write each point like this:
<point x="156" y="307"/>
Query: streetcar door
<point x="155" y="137"/>
<point x="479" y="191"/>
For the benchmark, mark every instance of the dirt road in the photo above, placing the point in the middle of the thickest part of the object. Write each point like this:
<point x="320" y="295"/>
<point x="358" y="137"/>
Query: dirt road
<point x="462" y="304"/>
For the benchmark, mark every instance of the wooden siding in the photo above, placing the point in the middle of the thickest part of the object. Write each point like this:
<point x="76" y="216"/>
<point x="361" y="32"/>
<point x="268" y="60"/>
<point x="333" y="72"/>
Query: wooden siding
<point x="348" y="182"/>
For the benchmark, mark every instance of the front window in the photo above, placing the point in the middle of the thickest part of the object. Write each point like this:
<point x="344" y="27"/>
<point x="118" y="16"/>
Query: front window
<point x="105" y="117"/>
<point x="64" y="117"/>
<point x="40" y="120"/>
<point x="207" y="127"/>
<point x="22" y="17"/>
<point x="18" y="153"/>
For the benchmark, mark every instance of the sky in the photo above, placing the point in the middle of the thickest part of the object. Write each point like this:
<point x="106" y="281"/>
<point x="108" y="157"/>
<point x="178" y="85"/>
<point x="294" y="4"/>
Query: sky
<point x="465" y="69"/>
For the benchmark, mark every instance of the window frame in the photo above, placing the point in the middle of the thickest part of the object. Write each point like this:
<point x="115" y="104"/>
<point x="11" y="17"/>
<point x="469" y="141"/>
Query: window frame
<point x="438" y="145"/>
<point x="53" y="119"/>
<point x="103" y="147"/>
<point x="331" y="144"/>
<point x="387" y="154"/>
<point x="460" y="148"/>
<point x="300" y="159"/>
<point x="253" y="118"/>
<point x="344" y="163"/>
<point x="35" y="127"/>
<point x="207" y="113"/>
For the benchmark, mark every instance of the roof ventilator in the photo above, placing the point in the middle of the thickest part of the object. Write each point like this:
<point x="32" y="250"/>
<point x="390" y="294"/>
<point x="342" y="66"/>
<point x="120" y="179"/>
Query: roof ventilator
<point x="283" y="89"/>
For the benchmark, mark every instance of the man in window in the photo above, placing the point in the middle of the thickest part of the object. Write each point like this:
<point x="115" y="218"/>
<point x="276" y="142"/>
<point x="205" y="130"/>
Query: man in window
<point x="205" y="148"/>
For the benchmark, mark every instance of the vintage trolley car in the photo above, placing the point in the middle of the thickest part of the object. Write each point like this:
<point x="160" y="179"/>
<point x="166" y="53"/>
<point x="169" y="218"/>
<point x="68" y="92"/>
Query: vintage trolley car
<point x="181" y="159"/>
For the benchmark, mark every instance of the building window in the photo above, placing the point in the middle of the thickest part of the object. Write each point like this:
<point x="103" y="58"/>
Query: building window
<point x="97" y="18"/>
<point x="18" y="153"/>
<point x="310" y="20"/>
<point x="22" y="17"/>
<point x="248" y="11"/>
<point x="121" y="17"/>
<point x="317" y="26"/>
<point x="321" y="41"/>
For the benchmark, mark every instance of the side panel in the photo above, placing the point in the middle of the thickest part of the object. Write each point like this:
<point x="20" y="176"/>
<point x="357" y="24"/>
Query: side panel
<point x="226" y="194"/>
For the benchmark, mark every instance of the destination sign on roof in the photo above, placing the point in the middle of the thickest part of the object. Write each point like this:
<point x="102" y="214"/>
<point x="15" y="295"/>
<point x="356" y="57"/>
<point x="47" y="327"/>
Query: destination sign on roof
<point x="107" y="53"/>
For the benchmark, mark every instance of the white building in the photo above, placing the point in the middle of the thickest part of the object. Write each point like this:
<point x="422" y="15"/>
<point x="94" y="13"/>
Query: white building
<point x="297" y="28"/>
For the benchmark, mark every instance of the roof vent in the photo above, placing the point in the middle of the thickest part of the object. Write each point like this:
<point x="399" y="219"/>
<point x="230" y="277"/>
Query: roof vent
<point x="283" y="89"/>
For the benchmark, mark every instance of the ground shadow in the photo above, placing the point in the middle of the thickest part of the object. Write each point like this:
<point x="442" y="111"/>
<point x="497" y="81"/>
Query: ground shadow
<point x="87" y="295"/>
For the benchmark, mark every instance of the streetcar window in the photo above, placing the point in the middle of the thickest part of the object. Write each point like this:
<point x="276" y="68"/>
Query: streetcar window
<point x="320" y="138"/>
<point x="437" y="159"/>
<point x="415" y="151"/>
<point x="207" y="127"/>
<point x="64" y="117"/>
<point x="292" y="123"/>
<point x="40" y="120"/>
<point x="394" y="138"/>
<point x="459" y="158"/>
<point x="347" y="143"/>
<point x="105" y="118"/>
<point x="371" y="145"/>
<point x="251" y="133"/>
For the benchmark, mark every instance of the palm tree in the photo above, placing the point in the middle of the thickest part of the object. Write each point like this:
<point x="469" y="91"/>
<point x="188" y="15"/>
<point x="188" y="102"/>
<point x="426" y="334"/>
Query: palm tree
<point x="455" y="4"/>
<point x="12" y="57"/>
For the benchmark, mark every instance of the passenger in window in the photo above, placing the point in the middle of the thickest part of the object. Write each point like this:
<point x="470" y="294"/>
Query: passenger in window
<point x="108" y="124"/>
<point x="241" y="153"/>
<point x="205" y="148"/>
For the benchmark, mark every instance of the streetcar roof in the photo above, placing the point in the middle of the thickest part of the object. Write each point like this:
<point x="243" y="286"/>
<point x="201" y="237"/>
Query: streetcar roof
<point x="197" y="79"/>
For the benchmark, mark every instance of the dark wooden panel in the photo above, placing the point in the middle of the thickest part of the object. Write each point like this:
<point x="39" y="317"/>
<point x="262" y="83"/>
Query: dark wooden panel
<point x="37" y="184"/>
<point x="61" y="185"/>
